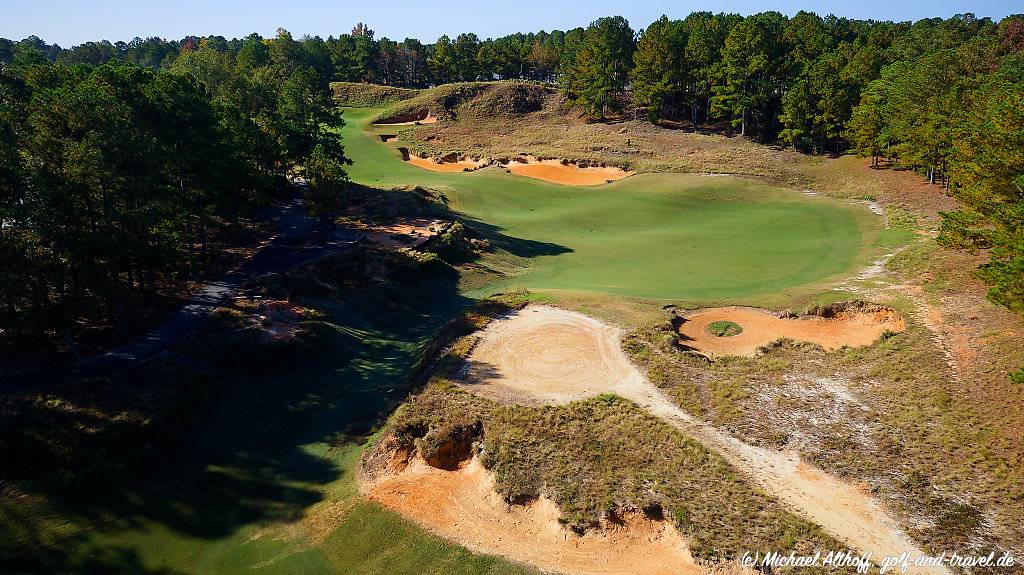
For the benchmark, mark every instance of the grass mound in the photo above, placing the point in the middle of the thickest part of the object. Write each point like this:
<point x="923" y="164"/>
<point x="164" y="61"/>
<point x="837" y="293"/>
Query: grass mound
<point x="357" y="94"/>
<point x="601" y="454"/>
<point x="504" y="99"/>
<point x="724" y="328"/>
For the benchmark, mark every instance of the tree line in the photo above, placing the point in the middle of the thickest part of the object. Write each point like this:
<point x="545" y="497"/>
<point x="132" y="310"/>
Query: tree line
<point x="942" y="96"/>
<point x="114" y="177"/>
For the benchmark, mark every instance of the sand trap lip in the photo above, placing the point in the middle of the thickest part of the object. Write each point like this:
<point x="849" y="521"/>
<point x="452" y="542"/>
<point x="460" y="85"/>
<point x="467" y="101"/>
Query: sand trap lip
<point x="565" y="173"/>
<point x="463" y="505"/>
<point x="854" y="328"/>
<point x="507" y="364"/>
<point x="426" y="120"/>
<point x="459" y="164"/>
<point x="435" y="166"/>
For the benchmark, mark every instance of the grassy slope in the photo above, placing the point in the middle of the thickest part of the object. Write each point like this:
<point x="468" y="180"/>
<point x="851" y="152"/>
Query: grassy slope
<point x="684" y="238"/>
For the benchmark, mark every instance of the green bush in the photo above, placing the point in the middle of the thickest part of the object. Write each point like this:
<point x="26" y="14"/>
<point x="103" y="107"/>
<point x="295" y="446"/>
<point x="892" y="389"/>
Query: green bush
<point x="724" y="328"/>
<point x="1017" y="377"/>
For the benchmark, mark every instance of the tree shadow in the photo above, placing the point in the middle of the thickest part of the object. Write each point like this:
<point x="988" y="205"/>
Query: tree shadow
<point x="520" y="247"/>
<point x="97" y="473"/>
<point x="259" y="452"/>
<point x="474" y="372"/>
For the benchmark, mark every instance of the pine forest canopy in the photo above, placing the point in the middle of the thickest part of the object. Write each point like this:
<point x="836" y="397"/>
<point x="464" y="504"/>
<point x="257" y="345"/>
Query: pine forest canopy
<point x="98" y="196"/>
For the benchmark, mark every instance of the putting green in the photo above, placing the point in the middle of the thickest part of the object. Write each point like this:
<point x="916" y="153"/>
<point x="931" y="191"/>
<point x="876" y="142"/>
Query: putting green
<point x="654" y="236"/>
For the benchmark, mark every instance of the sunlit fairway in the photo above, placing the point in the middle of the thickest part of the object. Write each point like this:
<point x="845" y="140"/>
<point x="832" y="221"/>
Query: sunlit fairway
<point x="688" y="238"/>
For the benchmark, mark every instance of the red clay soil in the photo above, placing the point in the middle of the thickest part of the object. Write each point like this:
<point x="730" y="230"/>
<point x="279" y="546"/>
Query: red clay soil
<point x="463" y="506"/>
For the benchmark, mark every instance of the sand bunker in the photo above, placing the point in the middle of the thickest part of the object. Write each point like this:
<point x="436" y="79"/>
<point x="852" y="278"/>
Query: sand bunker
<point x="450" y="163"/>
<point x="435" y="166"/>
<point x="462" y="505"/>
<point x="567" y="174"/>
<point x="851" y="327"/>
<point x="388" y="137"/>
<point x="414" y="119"/>
<point x="548" y="355"/>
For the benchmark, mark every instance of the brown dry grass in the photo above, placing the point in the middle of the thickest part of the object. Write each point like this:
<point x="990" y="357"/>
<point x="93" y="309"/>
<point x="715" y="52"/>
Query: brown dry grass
<point x="889" y="415"/>
<point x="928" y="418"/>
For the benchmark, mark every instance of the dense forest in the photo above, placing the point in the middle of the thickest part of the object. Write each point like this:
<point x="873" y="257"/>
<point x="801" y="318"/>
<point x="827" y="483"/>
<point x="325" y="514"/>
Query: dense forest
<point x="114" y="178"/>
<point x="115" y="158"/>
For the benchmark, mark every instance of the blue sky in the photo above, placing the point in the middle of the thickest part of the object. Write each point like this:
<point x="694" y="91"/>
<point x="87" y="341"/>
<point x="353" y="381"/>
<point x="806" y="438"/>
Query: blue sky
<point x="70" y="22"/>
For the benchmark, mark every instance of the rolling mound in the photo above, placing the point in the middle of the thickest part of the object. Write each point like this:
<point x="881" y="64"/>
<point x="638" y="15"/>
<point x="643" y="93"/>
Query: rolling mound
<point x="503" y="99"/>
<point x="368" y="95"/>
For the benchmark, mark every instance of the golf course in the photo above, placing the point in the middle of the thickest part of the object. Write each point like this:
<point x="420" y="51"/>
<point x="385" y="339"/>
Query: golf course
<point x="651" y="237"/>
<point x="723" y="295"/>
<point x="661" y="237"/>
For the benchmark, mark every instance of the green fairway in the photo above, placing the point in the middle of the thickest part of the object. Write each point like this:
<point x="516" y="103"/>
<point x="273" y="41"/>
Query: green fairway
<point x="687" y="238"/>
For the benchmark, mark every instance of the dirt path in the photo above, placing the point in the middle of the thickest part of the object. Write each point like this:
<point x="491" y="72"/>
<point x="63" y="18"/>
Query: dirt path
<point x="288" y="248"/>
<point x="510" y="362"/>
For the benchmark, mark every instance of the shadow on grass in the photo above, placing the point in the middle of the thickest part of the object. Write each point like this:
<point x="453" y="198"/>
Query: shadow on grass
<point x="91" y="483"/>
<point x="520" y="247"/>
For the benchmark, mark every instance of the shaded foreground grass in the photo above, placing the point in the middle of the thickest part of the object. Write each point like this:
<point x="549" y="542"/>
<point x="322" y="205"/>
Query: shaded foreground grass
<point x="685" y="238"/>
<point x="266" y="483"/>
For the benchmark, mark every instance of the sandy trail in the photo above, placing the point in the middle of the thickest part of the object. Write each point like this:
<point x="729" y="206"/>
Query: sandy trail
<point x="566" y="174"/>
<point x="513" y="360"/>
<point x="463" y="505"/>
<point x="760" y="327"/>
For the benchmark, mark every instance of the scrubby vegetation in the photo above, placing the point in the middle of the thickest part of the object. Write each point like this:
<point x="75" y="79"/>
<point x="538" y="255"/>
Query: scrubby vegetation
<point x="471" y="100"/>
<point x="368" y="95"/>
<point x="724" y="328"/>
<point x="593" y="457"/>
<point x="868" y="414"/>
